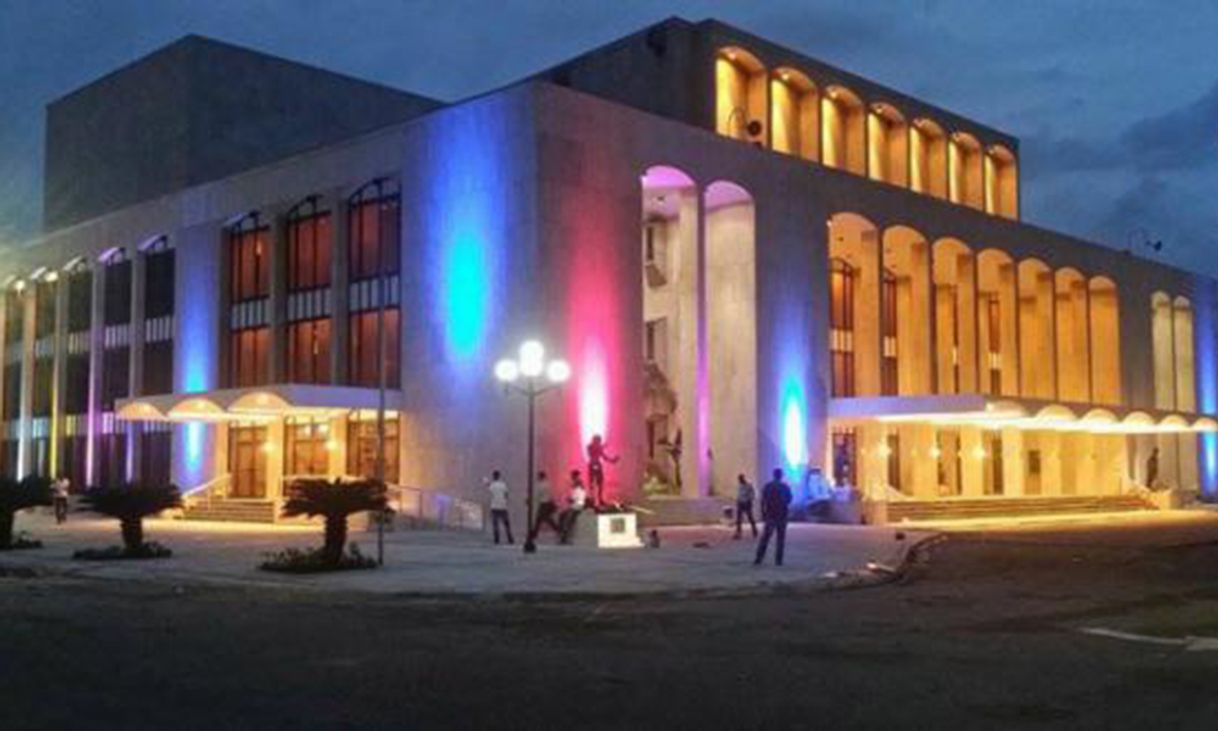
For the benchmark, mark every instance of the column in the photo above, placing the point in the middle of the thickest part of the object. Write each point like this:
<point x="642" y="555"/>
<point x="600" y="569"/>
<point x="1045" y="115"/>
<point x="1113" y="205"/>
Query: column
<point x="24" y="456"/>
<point x="135" y="364"/>
<point x="97" y="328"/>
<point x="1013" y="469"/>
<point x="972" y="462"/>
<point x="278" y="305"/>
<point x="1050" y="463"/>
<point x="59" y="377"/>
<point x="923" y="467"/>
<point x="340" y="322"/>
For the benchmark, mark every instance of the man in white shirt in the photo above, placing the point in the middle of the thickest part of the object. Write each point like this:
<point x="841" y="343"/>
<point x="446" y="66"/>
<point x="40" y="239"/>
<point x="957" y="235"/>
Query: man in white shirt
<point x="578" y="501"/>
<point x="499" y="506"/>
<point x="745" y="495"/>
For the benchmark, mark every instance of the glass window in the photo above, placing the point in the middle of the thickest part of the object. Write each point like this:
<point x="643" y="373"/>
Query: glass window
<point x="373" y="223"/>
<point x="118" y="291"/>
<point x="249" y="260"/>
<point x="76" y="384"/>
<point x="14" y="310"/>
<point x="248" y="357"/>
<point x="159" y="281"/>
<point x="44" y="309"/>
<point x="308" y="448"/>
<point x="362" y="350"/>
<point x="308" y="251"/>
<point x="115" y="376"/>
<point x="841" y="326"/>
<point x="158" y="368"/>
<point x="80" y="300"/>
<point x="309" y="351"/>
<point x="362" y="448"/>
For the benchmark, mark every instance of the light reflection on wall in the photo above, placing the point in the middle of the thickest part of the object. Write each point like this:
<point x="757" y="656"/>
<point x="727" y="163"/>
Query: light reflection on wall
<point x="1207" y="383"/>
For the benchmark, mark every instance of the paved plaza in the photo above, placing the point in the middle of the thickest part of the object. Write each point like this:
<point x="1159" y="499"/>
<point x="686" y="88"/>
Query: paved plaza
<point x="689" y="559"/>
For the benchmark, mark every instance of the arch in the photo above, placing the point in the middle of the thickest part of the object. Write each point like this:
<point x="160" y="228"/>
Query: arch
<point x="197" y="408"/>
<point x="1205" y="424"/>
<point x="854" y="295"/>
<point x="1162" y="333"/>
<point x="794" y="114"/>
<point x="1185" y="360"/>
<point x="671" y="271"/>
<point x="1104" y="332"/>
<point x="140" y="411"/>
<point x="731" y="317"/>
<point x="954" y="278"/>
<point x="887" y="145"/>
<point x="259" y="403"/>
<point x="740" y="95"/>
<point x="1056" y="416"/>
<point x="997" y="332"/>
<point x="965" y="174"/>
<point x="1073" y="344"/>
<point x="928" y="158"/>
<point x="1099" y="416"/>
<point x="843" y="131"/>
<point x="1036" y="339"/>
<point x="1001" y="182"/>
<point x="906" y="312"/>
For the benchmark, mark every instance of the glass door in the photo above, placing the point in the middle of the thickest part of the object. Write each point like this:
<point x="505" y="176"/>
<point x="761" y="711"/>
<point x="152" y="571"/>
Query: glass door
<point x="247" y="461"/>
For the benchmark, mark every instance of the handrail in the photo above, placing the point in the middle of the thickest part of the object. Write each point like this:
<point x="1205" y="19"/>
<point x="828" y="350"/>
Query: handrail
<point x="435" y="507"/>
<point x="213" y="488"/>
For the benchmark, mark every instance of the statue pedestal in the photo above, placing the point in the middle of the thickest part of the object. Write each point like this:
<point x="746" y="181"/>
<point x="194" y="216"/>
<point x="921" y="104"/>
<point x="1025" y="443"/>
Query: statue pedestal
<point x="607" y="530"/>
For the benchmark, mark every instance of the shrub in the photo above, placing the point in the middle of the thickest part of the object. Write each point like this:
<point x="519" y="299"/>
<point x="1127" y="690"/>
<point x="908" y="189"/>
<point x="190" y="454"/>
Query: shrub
<point x="17" y="495"/>
<point x="151" y="549"/>
<point x="130" y="504"/>
<point x="333" y="501"/>
<point x="315" y="560"/>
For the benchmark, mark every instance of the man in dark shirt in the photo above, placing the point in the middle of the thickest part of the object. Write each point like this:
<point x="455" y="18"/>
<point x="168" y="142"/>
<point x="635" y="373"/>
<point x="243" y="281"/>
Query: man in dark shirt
<point x="775" y="507"/>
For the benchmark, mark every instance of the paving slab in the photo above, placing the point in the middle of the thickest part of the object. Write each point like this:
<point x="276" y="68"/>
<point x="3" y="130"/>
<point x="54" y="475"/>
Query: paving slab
<point x="690" y="560"/>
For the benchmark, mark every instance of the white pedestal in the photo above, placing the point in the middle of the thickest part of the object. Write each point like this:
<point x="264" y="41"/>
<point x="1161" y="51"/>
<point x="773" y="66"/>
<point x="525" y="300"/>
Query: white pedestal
<point x="607" y="530"/>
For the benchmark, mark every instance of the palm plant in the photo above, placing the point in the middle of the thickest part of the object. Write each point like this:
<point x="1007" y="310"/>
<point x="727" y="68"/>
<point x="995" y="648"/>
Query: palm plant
<point x="334" y="501"/>
<point x="17" y="495"/>
<point x="130" y="504"/>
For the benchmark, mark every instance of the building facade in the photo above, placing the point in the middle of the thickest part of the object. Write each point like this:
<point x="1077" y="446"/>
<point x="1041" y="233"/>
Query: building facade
<point x="751" y="259"/>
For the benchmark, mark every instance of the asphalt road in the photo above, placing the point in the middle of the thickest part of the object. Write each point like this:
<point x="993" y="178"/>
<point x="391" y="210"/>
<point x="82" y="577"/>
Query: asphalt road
<point x="987" y="635"/>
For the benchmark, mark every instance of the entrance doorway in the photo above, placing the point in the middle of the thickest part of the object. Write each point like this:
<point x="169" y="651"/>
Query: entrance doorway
<point x="247" y="461"/>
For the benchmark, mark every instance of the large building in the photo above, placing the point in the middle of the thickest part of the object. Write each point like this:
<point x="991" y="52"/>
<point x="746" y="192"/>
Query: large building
<point x="742" y="251"/>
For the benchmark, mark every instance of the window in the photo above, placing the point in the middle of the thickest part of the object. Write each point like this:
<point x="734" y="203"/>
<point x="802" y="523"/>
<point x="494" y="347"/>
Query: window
<point x="44" y="374"/>
<point x="248" y="357"/>
<point x="249" y="260"/>
<point x="118" y="290"/>
<point x="12" y="391"/>
<point x="309" y="351"/>
<point x="362" y="361"/>
<point x="159" y="283"/>
<point x="373" y="231"/>
<point x="80" y="300"/>
<point x="76" y="384"/>
<point x="156" y="445"/>
<point x="14" y="320"/>
<point x="115" y="376"/>
<point x="888" y="341"/>
<point x="841" y="326"/>
<point x="308" y="248"/>
<point x="158" y="368"/>
<point x="308" y="448"/>
<point x="362" y="448"/>
<point x="44" y="309"/>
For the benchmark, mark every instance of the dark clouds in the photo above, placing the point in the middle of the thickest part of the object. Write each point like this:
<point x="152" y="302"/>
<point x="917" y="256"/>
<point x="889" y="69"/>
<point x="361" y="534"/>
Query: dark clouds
<point x="1115" y="101"/>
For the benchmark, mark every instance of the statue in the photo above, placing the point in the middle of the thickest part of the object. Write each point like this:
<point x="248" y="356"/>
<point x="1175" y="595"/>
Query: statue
<point x="598" y="454"/>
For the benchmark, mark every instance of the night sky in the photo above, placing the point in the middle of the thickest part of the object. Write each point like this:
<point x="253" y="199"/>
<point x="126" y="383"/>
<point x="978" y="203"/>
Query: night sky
<point x="1115" y="101"/>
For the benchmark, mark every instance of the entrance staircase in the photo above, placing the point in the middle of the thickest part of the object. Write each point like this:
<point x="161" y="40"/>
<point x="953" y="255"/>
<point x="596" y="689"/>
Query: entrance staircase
<point x="231" y="510"/>
<point x="998" y="507"/>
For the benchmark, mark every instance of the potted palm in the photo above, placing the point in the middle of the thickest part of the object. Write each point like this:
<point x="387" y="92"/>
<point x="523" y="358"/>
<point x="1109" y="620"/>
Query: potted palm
<point x="334" y="501"/>
<point x="130" y="504"/>
<point x="15" y="496"/>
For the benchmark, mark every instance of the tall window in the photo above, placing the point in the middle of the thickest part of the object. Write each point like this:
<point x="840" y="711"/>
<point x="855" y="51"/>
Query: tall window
<point x="308" y="451"/>
<point x="118" y="289"/>
<point x="888" y="344"/>
<point x="363" y="350"/>
<point x="373" y="231"/>
<point x="159" y="264"/>
<point x="249" y="260"/>
<point x="993" y="314"/>
<point x="308" y="247"/>
<point x="309" y="351"/>
<point x="841" y="326"/>
<point x="80" y="300"/>
<point x="249" y="349"/>
<point x="362" y="448"/>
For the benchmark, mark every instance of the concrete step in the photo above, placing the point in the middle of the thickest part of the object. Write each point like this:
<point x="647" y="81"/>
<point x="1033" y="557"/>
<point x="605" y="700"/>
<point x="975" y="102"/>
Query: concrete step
<point x="998" y="507"/>
<point x="234" y="511"/>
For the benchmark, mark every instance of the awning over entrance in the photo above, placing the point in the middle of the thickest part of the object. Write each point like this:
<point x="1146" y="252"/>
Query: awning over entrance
<point x="1000" y="413"/>
<point x="254" y="404"/>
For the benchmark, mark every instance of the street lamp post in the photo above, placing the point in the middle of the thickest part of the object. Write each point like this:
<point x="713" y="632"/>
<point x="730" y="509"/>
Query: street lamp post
<point x="531" y="376"/>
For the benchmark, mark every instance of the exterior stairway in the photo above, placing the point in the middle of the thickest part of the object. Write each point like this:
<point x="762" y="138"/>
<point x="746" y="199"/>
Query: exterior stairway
<point x="232" y="511"/>
<point x="999" y="507"/>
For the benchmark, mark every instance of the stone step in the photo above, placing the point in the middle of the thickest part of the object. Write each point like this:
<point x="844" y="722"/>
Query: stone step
<point x="243" y="511"/>
<point x="959" y="509"/>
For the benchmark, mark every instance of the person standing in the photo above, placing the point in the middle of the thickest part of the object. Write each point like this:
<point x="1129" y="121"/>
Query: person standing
<point x="1152" y="470"/>
<point x="598" y="455"/>
<point x="775" y="507"/>
<point x="546" y="507"/>
<point x="745" y="495"/>
<point x="499" y="506"/>
<point x="578" y="500"/>
<point x="61" y="488"/>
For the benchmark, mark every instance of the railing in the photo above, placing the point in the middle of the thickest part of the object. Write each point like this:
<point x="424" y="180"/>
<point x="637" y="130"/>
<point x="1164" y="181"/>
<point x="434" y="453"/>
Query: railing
<point x="419" y="508"/>
<point x="213" y="489"/>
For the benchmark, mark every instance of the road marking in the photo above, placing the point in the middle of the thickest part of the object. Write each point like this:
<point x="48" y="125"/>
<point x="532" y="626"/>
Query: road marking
<point x="1188" y="643"/>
